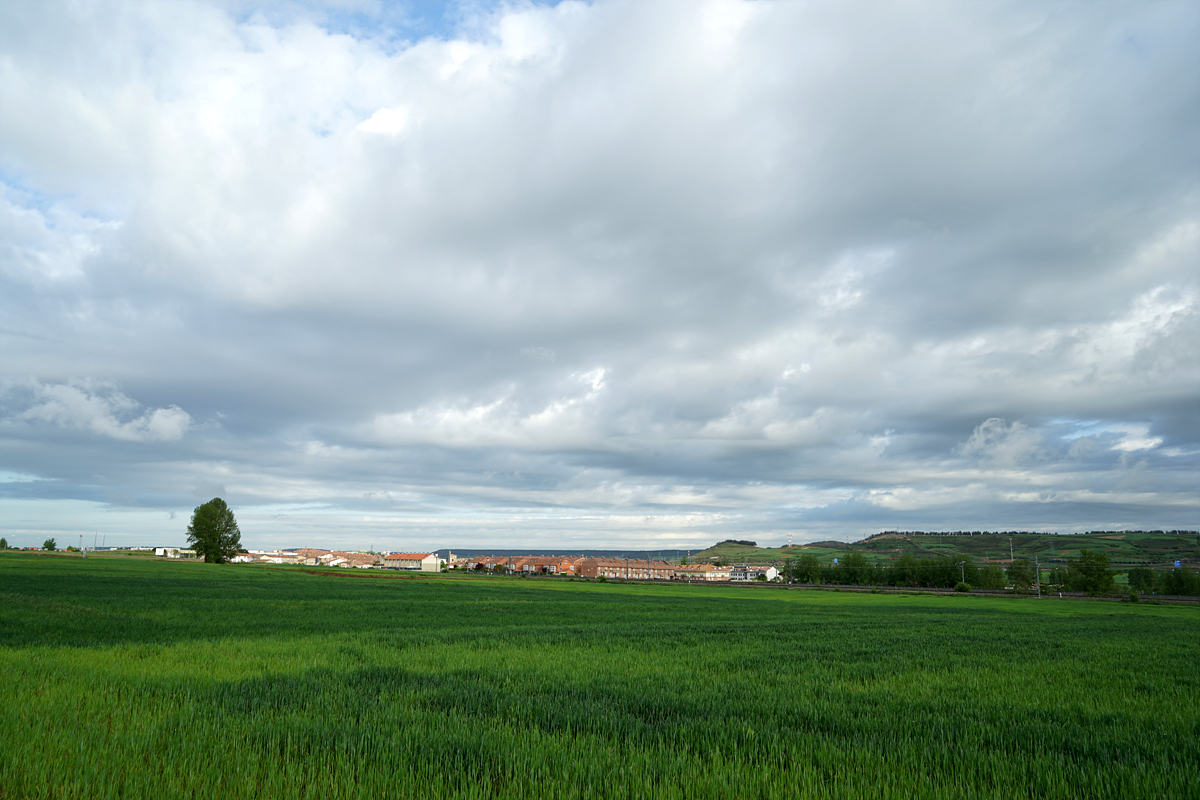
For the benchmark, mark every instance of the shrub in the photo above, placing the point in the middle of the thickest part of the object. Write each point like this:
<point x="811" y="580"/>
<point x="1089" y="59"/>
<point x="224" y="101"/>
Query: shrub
<point x="962" y="587"/>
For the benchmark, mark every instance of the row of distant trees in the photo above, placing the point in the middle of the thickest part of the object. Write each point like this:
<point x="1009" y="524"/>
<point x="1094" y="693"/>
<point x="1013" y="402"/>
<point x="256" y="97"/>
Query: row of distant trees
<point x="1092" y="572"/>
<point x="853" y="569"/>
<point x="1178" y="581"/>
<point x="49" y="544"/>
<point x="1016" y="533"/>
<point x="959" y="533"/>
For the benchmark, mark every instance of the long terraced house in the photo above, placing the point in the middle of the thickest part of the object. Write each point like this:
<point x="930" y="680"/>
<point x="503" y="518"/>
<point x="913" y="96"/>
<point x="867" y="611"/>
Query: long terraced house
<point x="425" y="562"/>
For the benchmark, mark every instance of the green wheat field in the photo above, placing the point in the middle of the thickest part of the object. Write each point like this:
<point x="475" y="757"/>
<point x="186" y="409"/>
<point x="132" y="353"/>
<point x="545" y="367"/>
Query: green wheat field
<point x="126" y="678"/>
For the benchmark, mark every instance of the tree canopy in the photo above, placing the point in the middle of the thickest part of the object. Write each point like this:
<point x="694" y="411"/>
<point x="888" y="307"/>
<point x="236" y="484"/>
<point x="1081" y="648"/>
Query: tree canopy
<point x="1020" y="572"/>
<point x="1179" y="581"/>
<point x="213" y="532"/>
<point x="1091" y="573"/>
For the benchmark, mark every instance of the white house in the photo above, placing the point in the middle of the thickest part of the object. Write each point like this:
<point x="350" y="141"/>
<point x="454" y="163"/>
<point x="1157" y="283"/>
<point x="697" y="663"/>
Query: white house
<point x="174" y="552"/>
<point x="744" y="572"/>
<point x="425" y="562"/>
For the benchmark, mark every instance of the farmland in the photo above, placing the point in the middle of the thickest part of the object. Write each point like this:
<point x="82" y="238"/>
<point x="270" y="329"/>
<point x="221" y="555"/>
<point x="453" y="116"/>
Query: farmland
<point x="129" y="678"/>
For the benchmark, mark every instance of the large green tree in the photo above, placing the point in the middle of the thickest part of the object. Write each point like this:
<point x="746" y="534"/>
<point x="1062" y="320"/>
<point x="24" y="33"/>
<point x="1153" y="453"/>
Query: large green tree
<point x="855" y="569"/>
<point x="1180" y="581"/>
<point x="807" y="569"/>
<point x="1020" y="572"/>
<point x="213" y="532"/>
<point x="1092" y="573"/>
<point x="989" y="576"/>
<point x="1141" y="579"/>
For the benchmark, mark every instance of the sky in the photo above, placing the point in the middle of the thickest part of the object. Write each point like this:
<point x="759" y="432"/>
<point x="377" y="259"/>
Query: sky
<point x="611" y="274"/>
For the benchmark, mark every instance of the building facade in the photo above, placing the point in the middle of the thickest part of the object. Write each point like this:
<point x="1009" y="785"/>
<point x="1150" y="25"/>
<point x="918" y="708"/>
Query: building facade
<point x="702" y="572"/>
<point x="424" y="562"/>
<point x="626" y="568"/>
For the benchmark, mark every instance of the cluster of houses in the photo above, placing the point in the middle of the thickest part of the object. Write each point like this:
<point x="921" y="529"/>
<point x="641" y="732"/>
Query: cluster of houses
<point x="318" y="557"/>
<point x="580" y="566"/>
<point x="624" y="568"/>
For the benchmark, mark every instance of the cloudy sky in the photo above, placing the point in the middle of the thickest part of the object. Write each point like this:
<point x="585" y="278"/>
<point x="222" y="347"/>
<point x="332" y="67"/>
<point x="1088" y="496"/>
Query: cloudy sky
<point x="639" y="274"/>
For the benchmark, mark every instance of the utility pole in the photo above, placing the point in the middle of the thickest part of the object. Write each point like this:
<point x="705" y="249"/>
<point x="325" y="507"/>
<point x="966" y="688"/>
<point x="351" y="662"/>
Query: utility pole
<point x="1037" y="575"/>
<point x="1010" y="551"/>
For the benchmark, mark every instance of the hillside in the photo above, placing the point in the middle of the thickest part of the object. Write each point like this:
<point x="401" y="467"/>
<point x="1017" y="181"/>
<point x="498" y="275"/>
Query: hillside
<point x="727" y="550"/>
<point x="741" y="553"/>
<point x="1124" y="548"/>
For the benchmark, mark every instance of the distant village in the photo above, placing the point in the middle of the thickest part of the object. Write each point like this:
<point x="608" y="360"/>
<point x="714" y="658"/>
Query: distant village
<point x="574" y="566"/>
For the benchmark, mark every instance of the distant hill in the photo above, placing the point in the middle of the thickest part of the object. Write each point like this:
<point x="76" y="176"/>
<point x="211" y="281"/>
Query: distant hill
<point x="1124" y="548"/>
<point x="741" y="552"/>
<point x="724" y="550"/>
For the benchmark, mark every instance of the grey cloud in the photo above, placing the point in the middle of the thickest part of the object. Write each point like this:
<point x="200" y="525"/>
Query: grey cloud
<point x="626" y="271"/>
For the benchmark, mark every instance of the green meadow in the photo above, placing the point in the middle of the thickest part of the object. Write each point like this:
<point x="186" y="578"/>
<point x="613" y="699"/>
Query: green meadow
<point x="128" y="678"/>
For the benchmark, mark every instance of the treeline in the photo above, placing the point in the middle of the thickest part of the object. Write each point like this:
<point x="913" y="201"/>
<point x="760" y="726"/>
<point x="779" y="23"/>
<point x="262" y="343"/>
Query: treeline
<point x="1180" y="580"/>
<point x="1092" y="572"/>
<point x="1022" y="533"/>
<point x="959" y="533"/>
<point x="853" y="569"/>
<point x="1151" y="533"/>
<point x="744" y="542"/>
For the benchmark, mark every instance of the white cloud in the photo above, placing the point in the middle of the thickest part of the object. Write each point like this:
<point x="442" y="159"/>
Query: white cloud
<point x="845" y="283"/>
<point x="1135" y="437"/>
<point x="17" y="477"/>
<point x="823" y="262"/>
<point x="1004" y="444"/>
<point x="386" y="120"/>
<point x="1152" y="316"/>
<point x="39" y="245"/>
<point x="563" y="421"/>
<point x="101" y="410"/>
